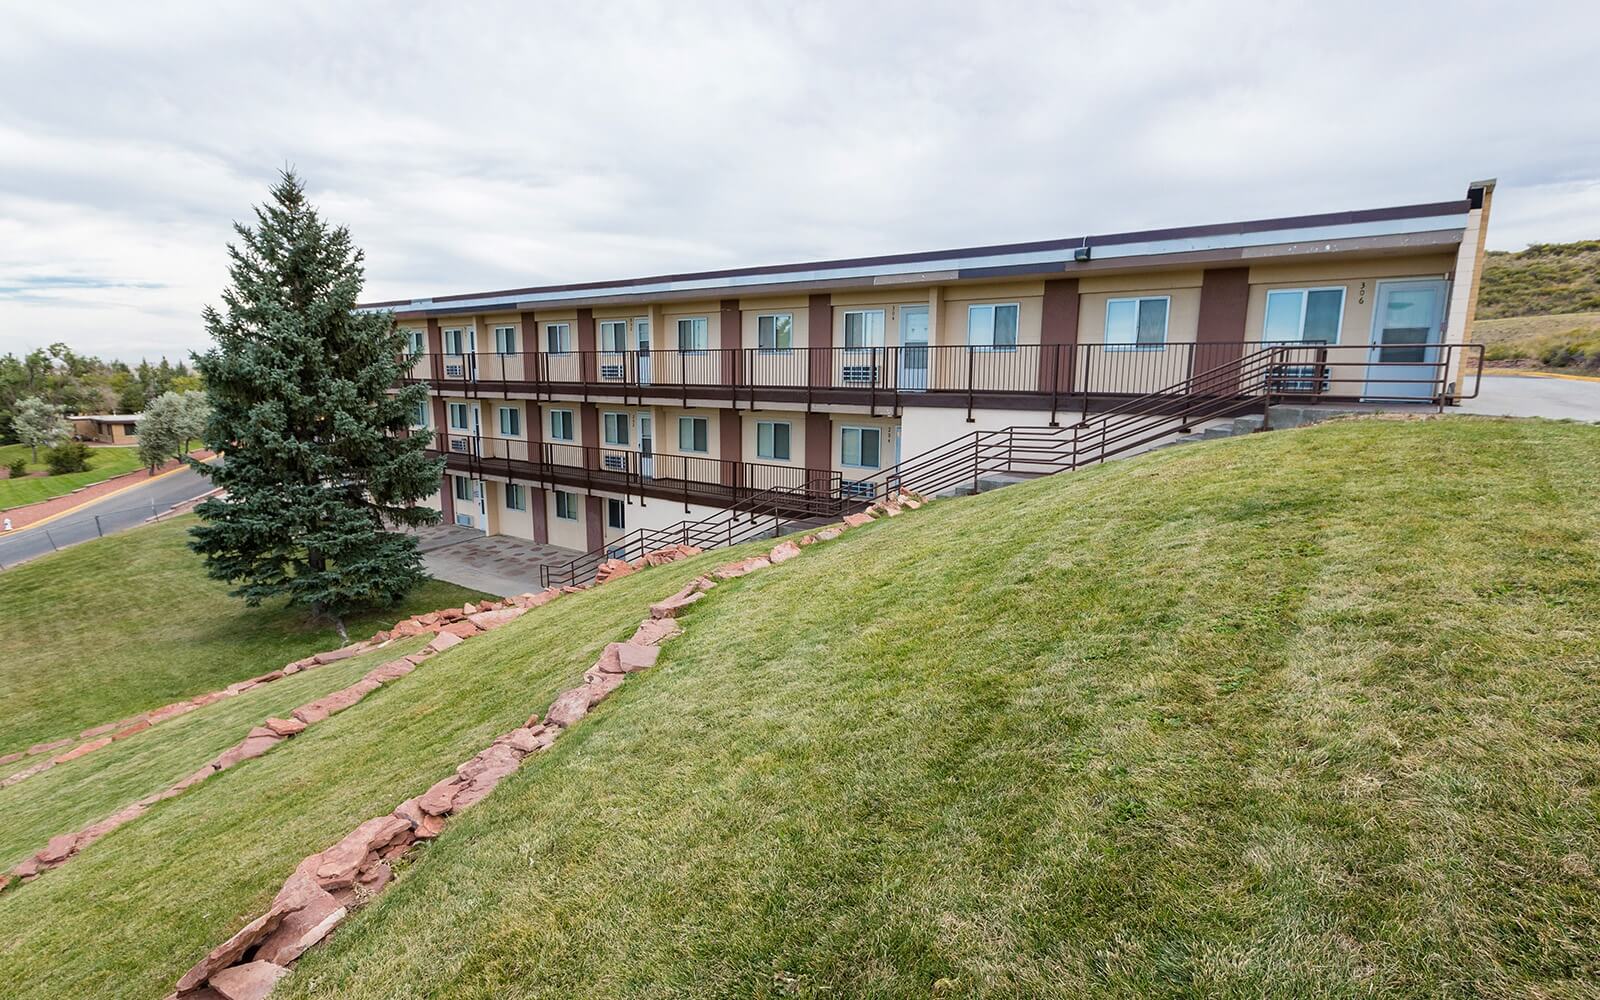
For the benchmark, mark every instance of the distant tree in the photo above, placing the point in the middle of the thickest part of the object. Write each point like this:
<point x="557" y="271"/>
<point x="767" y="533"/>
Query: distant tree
<point x="37" y="423"/>
<point x="18" y="469"/>
<point x="68" y="456"/>
<point x="302" y="394"/>
<point x="171" y="421"/>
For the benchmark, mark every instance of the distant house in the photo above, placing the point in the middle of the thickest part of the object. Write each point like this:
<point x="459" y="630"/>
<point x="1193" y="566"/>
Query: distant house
<point x="104" y="428"/>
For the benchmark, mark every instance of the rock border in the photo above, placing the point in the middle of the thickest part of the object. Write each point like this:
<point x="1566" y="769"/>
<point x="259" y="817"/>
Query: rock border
<point x="326" y="886"/>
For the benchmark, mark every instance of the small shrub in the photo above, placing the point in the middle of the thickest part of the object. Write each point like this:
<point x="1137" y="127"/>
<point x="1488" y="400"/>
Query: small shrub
<point x="68" y="456"/>
<point x="17" y="469"/>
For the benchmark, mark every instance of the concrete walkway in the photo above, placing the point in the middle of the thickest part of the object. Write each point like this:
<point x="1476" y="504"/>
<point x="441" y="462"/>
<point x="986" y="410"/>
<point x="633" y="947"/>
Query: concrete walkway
<point x="1531" y="396"/>
<point x="495" y="564"/>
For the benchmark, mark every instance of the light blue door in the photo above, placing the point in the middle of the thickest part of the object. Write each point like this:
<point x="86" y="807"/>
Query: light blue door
<point x="1405" y="361"/>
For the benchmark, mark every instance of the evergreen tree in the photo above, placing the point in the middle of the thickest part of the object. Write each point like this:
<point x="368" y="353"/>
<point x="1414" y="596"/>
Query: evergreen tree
<point x="303" y="400"/>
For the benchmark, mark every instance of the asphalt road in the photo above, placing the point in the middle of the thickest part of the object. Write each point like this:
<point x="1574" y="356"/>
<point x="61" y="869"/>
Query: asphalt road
<point x="127" y="509"/>
<point x="1523" y="396"/>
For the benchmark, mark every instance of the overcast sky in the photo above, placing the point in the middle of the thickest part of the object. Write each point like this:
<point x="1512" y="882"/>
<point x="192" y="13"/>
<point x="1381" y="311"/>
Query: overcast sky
<point x="472" y="146"/>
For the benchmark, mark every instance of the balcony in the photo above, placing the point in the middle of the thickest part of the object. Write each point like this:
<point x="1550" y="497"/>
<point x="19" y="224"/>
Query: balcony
<point x="690" y="479"/>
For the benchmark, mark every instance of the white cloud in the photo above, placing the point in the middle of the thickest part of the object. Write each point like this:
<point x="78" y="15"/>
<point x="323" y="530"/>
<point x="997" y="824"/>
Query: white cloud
<point x="490" y="145"/>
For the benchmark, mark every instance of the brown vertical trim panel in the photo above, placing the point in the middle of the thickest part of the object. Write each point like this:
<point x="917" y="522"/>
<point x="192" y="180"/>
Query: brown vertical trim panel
<point x="530" y="347"/>
<point x="1224" y="300"/>
<point x="538" y="504"/>
<point x="594" y="516"/>
<point x="586" y="344"/>
<point x="1058" y="332"/>
<point x="589" y="421"/>
<point x="731" y="447"/>
<point x="730" y="337"/>
<point x="447" y="497"/>
<point x="819" y="334"/>
<point x="819" y="443"/>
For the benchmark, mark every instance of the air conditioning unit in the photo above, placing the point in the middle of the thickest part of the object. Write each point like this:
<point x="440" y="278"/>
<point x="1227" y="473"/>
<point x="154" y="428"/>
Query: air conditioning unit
<point x="612" y="372"/>
<point x="465" y="520"/>
<point x="454" y="371"/>
<point x="618" y="463"/>
<point x="860" y="374"/>
<point x="460" y="445"/>
<point x="857" y="489"/>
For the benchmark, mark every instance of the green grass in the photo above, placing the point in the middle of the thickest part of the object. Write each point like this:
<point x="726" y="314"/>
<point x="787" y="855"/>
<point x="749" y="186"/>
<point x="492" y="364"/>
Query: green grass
<point x="1559" y="342"/>
<point x="1310" y="713"/>
<point x="103" y="464"/>
<point x="1544" y="279"/>
<point x="127" y="623"/>
<point x="70" y="796"/>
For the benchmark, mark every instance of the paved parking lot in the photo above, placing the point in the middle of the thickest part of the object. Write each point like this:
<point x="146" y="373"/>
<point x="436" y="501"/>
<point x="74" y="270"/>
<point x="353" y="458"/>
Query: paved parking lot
<point x="1529" y="396"/>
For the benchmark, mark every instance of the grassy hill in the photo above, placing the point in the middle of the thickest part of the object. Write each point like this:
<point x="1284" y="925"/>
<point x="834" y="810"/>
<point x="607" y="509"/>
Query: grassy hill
<point x="1306" y="713"/>
<point x="130" y="622"/>
<point x="103" y="464"/>
<point x="1541" y="306"/>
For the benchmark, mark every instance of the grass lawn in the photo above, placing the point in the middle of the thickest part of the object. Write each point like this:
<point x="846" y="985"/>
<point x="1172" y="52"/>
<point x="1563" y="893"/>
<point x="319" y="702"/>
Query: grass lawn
<point x="103" y="464"/>
<point x="1308" y="713"/>
<point x="1542" y="339"/>
<point x="130" y="622"/>
<point x="72" y="795"/>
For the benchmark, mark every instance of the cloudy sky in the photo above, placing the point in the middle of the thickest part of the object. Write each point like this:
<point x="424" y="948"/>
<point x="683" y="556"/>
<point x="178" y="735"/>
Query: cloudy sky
<point x="472" y="146"/>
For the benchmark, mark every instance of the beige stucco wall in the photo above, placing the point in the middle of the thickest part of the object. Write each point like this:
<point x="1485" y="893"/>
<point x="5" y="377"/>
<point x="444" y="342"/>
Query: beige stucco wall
<point x="569" y="534"/>
<point x="1137" y="370"/>
<point x="886" y="443"/>
<point x="797" y="436"/>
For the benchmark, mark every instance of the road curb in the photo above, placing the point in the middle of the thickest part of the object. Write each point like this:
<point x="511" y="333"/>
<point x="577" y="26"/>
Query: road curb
<point x="103" y="497"/>
<point x="1519" y="373"/>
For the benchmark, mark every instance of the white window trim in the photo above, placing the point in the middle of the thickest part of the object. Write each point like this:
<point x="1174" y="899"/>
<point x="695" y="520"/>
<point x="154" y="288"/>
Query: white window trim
<point x="678" y="326"/>
<point x="621" y="421"/>
<point x="416" y="342"/>
<point x="612" y="503"/>
<point x="424" y="425"/>
<point x="548" y="327"/>
<point x="774" y="424"/>
<point x="500" y="420"/>
<point x="450" y="416"/>
<point x="505" y="496"/>
<point x="1166" y="328"/>
<point x="498" y="340"/>
<point x="775" y="316"/>
<point x="558" y="494"/>
<point x="1305" y="303"/>
<point x="460" y="483"/>
<point x="992" y="347"/>
<point x="464" y="343"/>
<point x="571" y="422"/>
<point x="693" y="451"/>
<point x="860" y="427"/>
<point x="844" y="328"/>
<point x="600" y="333"/>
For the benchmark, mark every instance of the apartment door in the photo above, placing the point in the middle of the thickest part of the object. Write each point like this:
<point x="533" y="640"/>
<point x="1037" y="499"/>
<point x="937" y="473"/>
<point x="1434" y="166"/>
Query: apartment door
<point x="913" y="348"/>
<point x="647" y="446"/>
<point x="483" y="505"/>
<point x="1406" y="360"/>
<point x="641" y="333"/>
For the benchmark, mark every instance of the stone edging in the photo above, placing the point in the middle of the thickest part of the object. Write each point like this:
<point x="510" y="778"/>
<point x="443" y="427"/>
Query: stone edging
<point x="327" y="885"/>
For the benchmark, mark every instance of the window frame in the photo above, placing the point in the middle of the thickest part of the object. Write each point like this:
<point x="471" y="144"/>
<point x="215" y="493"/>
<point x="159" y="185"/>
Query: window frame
<point x="463" y="483"/>
<point x="622" y="340"/>
<point x="462" y="344"/>
<point x="505" y="340"/>
<point x="775" y="348"/>
<point x="844" y="328"/>
<point x="992" y="347"/>
<point x="571" y="499"/>
<point x="420" y="410"/>
<point x="706" y="421"/>
<point x="416" y="342"/>
<point x="788" y="440"/>
<point x="1134" y="345"/>
<point x="615" y="505"/>
<point x="704" y="329"/>
<point x="844" y="430"/>
<point x="500" y="419"/>
<point x="571" y="425"/>
<point x="450" y="418"/>
<point x="607" y="423"/>
<point x="1304" y="292"/>
<point x="517" y="491"/>
<point x="564" y="338"/>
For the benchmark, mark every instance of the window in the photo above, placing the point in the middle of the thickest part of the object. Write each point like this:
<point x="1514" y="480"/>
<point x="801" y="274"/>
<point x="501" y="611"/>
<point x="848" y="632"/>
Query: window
<point x="419" y="414"/>
<point x="510" y="421"/>
<point x="416" y="342"/>
<point x="561" y="425"/>
<point x="694" y="434"/>
<point x="992" y="327"/>
<point x="772" y="440"/>
<point x="616" y="514"/>
<point x="463" y="488"/>
<point x="614" y="335"/>
<point x="458" y="416"/>
<point x="566" y="505"/>
<point x="505" y="340"/>
<point x="692" y="334"/>
<point x="641" y="331"/>
<point x="1137" y="324"/>
<point x="863" y="328"/>
<point x="858" y="447"/>
<point x="775" y="332"/>
<point x="516" y="497"/>
<point x="455" y="341"/>
<point x="1296" y="315"/>
<point x="558" y="338"/>
<point x="616" y="428"/>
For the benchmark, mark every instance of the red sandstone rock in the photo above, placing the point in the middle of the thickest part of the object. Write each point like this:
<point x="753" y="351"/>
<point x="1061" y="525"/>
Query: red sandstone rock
<point x="784" y="551"/>
<point x="47" y="747"/>
<point x="415" y="659"/>
<point x="12" y="758"/>
<point x="135" y="729"/>
<point x="655" y="631"/>
<point x="310" y="713"/>
<point x="83" y="748"/>
<point x="209" y="698"/>
<point x="250" y="981"/>
<point x="393" y="670"/>
<point x="613" y="569"/>
<point x="568" y="708"/>
<point x="337" y="866"/>
<point x="483" y="772"/>
<point x="600" y="684"/>
<point x="808" y="540"/>
<point x="239" y="687"/>
<point x="380" y="637"/>
<point x="206" y="771"/>
<point x="406" y="628"/>
<point x="829" y="534"/>
<point x="302" y="928"/>
<point x="342" y="653"/>
<point x="95" y="831"/>
<point x="58" y="849"/>
<point x="628" y="658"/>
<point x="172" y="711"/>
<point x="231" y="950"/>
<point x="101" y="730"/>
<point x="431" y="618"/>
<point x="525" y="740"/>
<point x="857" y="520"/>
<point x="670" y="607"/>
<point x="494" y="618"/>
<point x="252" y="747"/>
<point x="440" y="799"/>
<point x="442" y="642"/>
<point x="469" y="608"/>
<point x="740" y="568"/>
<point x="285" y="727"/>
<point x="27" y="869"/>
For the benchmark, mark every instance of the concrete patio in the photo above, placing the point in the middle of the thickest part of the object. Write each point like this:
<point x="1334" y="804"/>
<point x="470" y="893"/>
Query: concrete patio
<point x="496" y="564"/>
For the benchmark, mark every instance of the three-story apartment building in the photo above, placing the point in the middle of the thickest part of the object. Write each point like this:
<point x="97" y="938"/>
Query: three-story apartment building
<point x="571" y="414"/>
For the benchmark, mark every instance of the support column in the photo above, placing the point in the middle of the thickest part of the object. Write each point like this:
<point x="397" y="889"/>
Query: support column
<point x="594" y="517"/>
<point x="819" y="337"/>
<point x="589" y="433"/>
<point x="1058" y="335"/>
<point x="1224" y="298"/>
<point x="731" y="447"/>
<point x="447" y="497"/>
<point x="729" y="339"/>
<point x="819" y="444"/>
<point x="435" y="348"/>
<point x="586" y="344"/>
